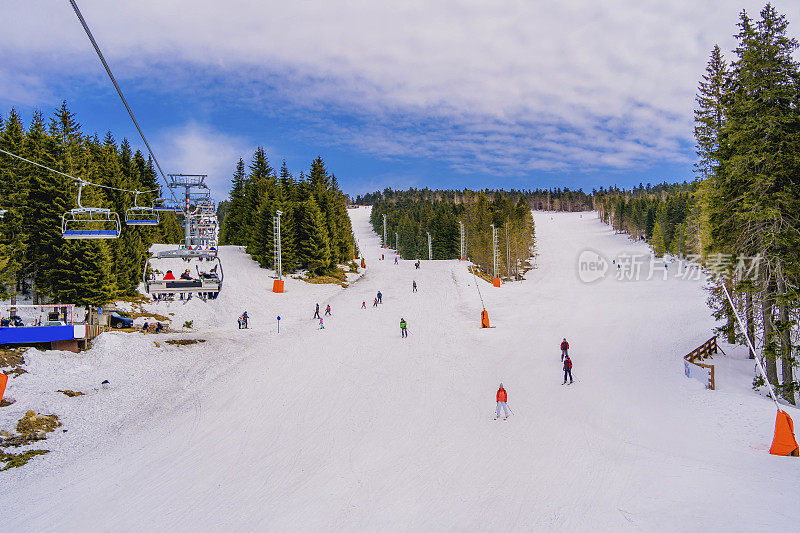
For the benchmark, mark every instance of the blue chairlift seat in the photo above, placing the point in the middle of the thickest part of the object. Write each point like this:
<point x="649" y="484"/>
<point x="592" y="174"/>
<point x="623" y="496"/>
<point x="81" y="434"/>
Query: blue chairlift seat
<point x="90" y="223"/>
<point x="141" y="216"/>
<point x="168" y="206"/>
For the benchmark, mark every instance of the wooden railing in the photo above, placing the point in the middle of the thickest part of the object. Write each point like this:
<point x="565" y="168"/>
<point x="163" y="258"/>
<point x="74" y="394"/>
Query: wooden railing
<point x="704" y="351"/>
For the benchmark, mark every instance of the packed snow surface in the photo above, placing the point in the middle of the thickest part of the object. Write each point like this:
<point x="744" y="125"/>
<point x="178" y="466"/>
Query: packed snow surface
<point x="354" y="428"/>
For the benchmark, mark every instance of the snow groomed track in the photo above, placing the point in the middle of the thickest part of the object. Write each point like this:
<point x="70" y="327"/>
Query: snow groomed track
<point x="353" y="428"/>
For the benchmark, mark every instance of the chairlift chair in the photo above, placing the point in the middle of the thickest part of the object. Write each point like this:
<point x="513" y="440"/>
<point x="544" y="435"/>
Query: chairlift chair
<point x="140" y="216"/>
<point x="207" y="285"/>
<point x="167" y="206"/>
<point x="89" y="222"/>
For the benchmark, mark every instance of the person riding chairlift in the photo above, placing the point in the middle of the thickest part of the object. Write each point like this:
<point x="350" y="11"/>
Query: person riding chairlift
<point x="186" y="275"/>
<point x="169" y="275"/>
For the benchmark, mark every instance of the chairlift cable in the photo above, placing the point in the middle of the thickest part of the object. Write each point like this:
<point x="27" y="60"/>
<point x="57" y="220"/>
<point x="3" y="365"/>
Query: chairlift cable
<point x="476" y="284"/>
<point x="119" y="91"/>
<point x="78" y="180"/>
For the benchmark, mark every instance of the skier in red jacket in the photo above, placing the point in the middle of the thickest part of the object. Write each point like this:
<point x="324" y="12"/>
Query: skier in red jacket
<point x="567" y="369"/>
<point x="564" y="348"/>
<point x="502" y="398"/>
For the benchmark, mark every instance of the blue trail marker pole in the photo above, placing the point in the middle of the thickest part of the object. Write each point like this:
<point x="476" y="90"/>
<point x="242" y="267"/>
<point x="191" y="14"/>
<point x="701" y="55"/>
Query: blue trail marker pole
<point x="279" y="324"/>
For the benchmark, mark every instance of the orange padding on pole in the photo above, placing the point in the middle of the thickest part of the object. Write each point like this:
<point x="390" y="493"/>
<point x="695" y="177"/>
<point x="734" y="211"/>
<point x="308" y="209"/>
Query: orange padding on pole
<point x="363" y="264"/>
<point x="784" y="442"/>
<point x="485" y="319"/>
<point x="496" y="282"/>
<point x="277" y="285"/>
<point x="3" y="381"/>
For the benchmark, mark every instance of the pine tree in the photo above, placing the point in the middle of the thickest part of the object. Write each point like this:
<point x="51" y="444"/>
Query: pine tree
<point x="314" y="245"/>
<point x="709" y="114"/>
<point x="232" y="231"/>
<point x="657" y="241"/>
<point x="755" y="194"/>
<point x="46" y="203"/>
<point x="82" y="274"/>
<point x="13" y="197"/>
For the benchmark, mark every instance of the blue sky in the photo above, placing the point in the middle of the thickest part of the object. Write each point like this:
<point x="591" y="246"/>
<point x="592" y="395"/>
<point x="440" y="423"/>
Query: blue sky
<point x="452" y="94"/>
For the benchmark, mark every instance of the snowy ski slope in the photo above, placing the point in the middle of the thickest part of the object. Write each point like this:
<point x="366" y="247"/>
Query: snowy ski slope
<point x="353" y="428"/>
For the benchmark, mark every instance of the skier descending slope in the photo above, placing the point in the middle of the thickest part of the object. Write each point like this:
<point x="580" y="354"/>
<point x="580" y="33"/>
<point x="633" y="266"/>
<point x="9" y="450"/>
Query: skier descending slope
<point x="380" y="297"/>
<point x="502" y="398"/>
<point x="567" y="369"/>
<point x="328" y="310"/>
<point x="414" y="287"/>
<point x="564" y="348"/>
<point x="364" y="304"/>
<point x="316" y="313"/>
<point x="403" y="328"/>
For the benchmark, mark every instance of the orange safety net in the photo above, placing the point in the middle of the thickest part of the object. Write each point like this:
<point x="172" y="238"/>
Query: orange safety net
<point x="784" y="442"/>
<point x="485" y="319"/>
<point x="3" y="381"/>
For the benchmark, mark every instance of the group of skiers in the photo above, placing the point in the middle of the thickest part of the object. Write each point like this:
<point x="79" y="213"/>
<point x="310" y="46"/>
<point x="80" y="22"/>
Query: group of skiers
<point x="157" y="328"/>
<point x="243" y="318"/>
<point x="502" y="394"/>
<point x="566" y="361"/>
<point x="377" y="300"/>
<point x="316" y="315"/>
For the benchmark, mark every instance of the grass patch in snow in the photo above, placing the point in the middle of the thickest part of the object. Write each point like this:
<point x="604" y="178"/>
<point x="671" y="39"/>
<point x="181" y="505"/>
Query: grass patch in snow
<point x="184" y="342"/>
<point x="70" y="393"/>
<point x="144" y="314"/>
<point x="16" y="372"/>
<point x="33" y="423"/>
<point x="15" y="460"/>
<point x="11" y="357"/>
<point x="336" y="277"/>
<point x="139" y="299"/>
<point x="9" y="439"/>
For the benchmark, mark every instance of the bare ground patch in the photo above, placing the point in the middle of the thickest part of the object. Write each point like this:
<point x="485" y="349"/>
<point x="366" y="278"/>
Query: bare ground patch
<point x="184" y="342"/>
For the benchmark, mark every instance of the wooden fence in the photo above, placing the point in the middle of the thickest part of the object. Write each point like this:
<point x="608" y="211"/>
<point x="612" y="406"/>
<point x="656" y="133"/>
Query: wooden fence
<point x="704" y="351"/>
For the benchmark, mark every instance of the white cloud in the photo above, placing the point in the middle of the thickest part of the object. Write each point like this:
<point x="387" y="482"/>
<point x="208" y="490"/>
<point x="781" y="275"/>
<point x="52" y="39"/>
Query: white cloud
<point x="486" y="86"/>
<point x="199" y="149"/>
<point x="22" y="88"/>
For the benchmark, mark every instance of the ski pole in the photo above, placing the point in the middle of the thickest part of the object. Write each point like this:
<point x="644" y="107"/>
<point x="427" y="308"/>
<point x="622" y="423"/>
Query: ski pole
<point x="509" y="408"/>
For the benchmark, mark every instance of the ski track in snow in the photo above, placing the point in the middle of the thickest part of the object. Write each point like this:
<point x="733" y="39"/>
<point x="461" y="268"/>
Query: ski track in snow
<point x="353" y="428"/>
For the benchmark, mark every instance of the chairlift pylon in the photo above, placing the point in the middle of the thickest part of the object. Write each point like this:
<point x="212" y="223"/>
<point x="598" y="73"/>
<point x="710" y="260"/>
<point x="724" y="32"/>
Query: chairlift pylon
<point x="89" y="222"/>
<point x="140" y="216"/>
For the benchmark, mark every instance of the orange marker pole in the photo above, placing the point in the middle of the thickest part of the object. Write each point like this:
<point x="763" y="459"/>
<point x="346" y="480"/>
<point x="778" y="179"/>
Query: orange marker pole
<point x="3" y="381"/>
